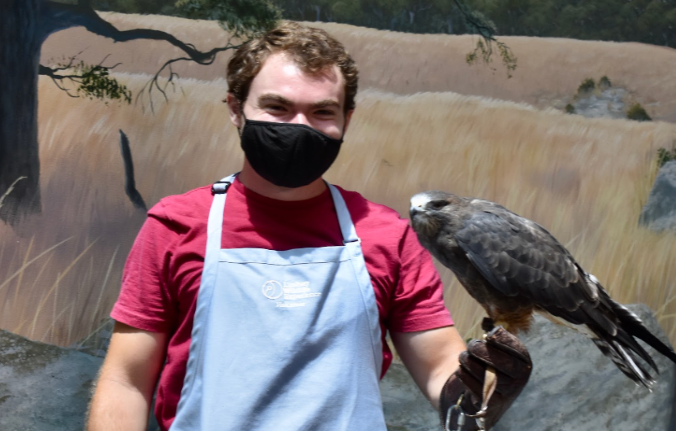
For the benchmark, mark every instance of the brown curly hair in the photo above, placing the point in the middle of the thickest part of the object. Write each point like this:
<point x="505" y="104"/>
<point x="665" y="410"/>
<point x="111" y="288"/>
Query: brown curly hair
<point x="312" y="49"/>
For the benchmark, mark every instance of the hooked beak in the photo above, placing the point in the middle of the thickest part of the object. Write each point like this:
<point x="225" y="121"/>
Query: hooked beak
<point x="416" y="209"/>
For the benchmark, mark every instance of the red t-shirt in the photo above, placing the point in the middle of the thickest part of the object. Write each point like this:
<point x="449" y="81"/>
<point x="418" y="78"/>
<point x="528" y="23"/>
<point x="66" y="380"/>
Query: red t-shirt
<point x="163" y="271"/>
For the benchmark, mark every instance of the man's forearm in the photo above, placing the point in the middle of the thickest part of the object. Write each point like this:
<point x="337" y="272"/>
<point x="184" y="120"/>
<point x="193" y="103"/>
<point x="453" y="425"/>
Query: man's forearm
<point x="117" y="407"/>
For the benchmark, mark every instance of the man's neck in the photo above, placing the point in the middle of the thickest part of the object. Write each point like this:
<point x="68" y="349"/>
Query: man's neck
<point x="258" y="184"/>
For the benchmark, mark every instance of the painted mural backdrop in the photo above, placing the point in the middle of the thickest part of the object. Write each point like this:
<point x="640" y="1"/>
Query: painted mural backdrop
<point x="425" y="119"/>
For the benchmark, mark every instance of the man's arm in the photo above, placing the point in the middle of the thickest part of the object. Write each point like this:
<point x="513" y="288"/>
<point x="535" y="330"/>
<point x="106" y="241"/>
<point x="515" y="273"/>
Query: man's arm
<point x="430" y="356"/>
<point x="127" y="379"/>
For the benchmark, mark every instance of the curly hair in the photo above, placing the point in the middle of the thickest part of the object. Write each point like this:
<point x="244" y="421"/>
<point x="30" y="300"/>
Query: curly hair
<point x="312" y="49"/>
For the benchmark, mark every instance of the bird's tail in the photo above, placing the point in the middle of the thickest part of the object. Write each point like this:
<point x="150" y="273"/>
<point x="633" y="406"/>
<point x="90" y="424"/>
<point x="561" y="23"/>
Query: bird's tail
<point x="626" y="361"/>
<point x="622" y="347"/>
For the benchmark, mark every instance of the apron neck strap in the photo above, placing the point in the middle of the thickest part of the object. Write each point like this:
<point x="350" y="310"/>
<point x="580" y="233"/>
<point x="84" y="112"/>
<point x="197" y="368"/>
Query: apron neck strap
<point x="220" y="188"/>
<point x="344" y="218"/>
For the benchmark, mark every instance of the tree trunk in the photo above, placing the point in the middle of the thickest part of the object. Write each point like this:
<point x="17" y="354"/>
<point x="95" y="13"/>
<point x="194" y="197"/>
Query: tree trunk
<point x="19" y="60"/>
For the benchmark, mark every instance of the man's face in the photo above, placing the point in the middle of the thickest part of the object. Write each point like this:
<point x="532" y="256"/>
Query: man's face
<point x="283" y="93"/>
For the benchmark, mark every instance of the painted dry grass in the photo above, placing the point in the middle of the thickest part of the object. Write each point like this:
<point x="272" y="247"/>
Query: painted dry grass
<point x="549" y="70"/>
<point x="583" y="179"/>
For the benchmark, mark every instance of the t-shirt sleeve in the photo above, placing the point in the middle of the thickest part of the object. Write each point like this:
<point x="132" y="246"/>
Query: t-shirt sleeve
<point x="418" y="302"/>
<point x="144" y="301"/>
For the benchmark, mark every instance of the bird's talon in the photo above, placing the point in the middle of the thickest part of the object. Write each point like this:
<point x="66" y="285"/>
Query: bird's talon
<point x="494" y="330"/>
<point x="480" y="414"/>
<point x="487" y="324"/>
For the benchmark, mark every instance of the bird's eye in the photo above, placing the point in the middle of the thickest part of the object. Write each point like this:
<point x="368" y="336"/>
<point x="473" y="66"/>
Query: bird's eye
<point x="438" y="204"/>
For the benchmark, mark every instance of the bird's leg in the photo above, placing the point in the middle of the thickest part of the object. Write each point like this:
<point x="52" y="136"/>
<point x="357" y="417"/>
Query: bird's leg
<point x="490" y="377"/>
<point x="490" y="383"/>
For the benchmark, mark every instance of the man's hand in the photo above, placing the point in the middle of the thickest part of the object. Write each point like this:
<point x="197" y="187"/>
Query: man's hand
<point x="508" y="357"/>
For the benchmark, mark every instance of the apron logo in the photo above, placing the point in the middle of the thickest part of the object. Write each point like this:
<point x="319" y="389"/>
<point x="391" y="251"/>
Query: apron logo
<point x="290" y="292"/>
<point x="273" y="289"/>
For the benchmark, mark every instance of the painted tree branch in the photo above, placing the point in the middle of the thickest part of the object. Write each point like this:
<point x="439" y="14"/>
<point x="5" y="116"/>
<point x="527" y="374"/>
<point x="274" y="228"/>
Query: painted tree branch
<point x="129" y="181"/>
<point x="52" y="73"/>
<point x="486" y="31"/>
<point x="60" y="16"/>
<point x="484" y="47"/>
<point x="84" y="75"/>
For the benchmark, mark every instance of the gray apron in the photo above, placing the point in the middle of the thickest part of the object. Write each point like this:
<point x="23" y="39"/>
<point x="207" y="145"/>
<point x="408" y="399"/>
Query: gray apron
<point x="283" y="340"/>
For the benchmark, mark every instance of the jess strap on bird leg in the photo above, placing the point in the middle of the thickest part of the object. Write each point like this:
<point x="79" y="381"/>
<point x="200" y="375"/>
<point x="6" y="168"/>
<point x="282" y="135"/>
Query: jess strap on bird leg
<point x="471" y="402"/>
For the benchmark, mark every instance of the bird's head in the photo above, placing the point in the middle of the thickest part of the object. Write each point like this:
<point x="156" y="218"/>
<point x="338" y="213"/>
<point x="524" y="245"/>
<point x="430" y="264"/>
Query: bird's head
<point x="429" y="210"/>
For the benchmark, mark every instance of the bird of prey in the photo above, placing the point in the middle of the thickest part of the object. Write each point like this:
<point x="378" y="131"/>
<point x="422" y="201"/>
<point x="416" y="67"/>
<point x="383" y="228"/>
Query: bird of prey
<point x="513" y="267"/>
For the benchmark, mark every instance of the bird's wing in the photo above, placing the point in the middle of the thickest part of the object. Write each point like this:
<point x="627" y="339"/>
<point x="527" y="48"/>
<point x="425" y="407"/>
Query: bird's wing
<point x="519" y="257"/>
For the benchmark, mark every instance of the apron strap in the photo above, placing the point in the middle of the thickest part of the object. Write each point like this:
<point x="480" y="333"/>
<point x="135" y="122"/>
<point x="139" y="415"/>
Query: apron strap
<point x="215" y="228"/>
<point x="344" y="218"/>
<point x="222" y="185"/>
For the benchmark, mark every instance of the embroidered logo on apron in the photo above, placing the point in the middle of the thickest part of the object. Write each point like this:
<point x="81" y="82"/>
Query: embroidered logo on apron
<point x="292" y="293"/>
<point x="272" y="289"/>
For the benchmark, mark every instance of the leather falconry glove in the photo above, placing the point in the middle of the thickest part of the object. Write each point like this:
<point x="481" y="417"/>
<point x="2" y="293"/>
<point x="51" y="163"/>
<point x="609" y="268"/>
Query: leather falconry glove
<point x="471" y="390"/>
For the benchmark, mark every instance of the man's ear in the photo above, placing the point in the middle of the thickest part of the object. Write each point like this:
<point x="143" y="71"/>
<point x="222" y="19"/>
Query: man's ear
<point x="235" y="110"/>
<point x="348" y="117"/>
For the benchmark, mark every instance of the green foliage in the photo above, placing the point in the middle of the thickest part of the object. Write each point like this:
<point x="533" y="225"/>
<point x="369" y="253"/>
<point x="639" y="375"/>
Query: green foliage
<point x="604" y="82"/>
<point x="479" y="24"/>
<point x="95" y="82"/>
<point x="648" y="21"/>
<point x="241" y="18"/>
<point x="244" y="18"/>
<point x="664" y="156"/>
<point x="483" y="50"/>
<point x="508" y="57"/>
<point x="411" y="16"/>
<point x="136" y="6"/>
<point x="586" y="86"/>
<point x="636" y="112"/>
<point x="570" y="109"/>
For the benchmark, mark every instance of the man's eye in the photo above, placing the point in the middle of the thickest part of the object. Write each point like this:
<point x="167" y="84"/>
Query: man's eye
<point x="325" y="112"/>
<point x="276" y="108"/>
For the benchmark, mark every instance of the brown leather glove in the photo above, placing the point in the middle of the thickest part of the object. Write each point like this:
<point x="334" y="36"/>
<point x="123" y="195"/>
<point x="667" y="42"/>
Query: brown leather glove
<point x="512" y="364"/>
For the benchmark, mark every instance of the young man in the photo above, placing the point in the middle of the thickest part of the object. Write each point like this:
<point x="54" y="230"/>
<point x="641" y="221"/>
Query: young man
<point x="269" y="309"/>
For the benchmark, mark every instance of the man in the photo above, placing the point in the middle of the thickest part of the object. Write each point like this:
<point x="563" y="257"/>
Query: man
<point x="268" y="309"/>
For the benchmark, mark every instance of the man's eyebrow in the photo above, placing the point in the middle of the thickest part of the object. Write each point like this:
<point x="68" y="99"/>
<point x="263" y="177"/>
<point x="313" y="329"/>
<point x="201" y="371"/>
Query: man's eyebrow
<point x="326" y="103"/>
<point x="271" y="97"/>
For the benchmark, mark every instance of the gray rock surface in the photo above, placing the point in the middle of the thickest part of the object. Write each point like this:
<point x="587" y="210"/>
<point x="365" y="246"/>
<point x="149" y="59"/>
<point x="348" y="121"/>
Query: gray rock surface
<point x="96" y="343"/>
<point x="406" y="409"/>
<point x="608" y="103"/>
<point x="43" y="387"/>
<point x="659" y="213"/>
<point x="575" y="387"/>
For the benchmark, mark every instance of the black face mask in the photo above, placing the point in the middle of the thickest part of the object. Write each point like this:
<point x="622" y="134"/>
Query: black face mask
<point x="286" y="154"/>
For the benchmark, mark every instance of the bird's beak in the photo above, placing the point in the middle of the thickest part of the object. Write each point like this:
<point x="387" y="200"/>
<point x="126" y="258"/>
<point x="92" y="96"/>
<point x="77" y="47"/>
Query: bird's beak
<point x="415" y="209"/>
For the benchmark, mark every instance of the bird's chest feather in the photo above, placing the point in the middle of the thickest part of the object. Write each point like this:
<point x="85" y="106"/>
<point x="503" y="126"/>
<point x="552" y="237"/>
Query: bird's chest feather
<point x="454" y="258"/>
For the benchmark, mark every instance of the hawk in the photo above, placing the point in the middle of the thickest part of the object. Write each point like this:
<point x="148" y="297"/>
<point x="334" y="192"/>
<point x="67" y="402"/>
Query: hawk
<point x="513" y="267"/>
